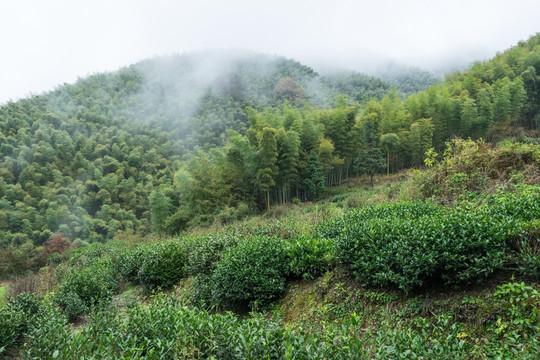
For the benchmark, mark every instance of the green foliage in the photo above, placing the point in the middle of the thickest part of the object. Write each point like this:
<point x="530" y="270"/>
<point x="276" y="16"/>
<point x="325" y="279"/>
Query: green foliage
<point x="309" y="256"/>
<point x="252" y="273"/>
<point x="16" y="317"/>
<point x="3" y="299"/>
<point x="370" y="162"/>
<point x="160" y="209"/>
<point x="523" y="204"/>
<point x="86" y="288"/>
<point x="314" y="178"/>
<point x="474" y="166"/>
<point x="516" y="328"/>
<point x="164" y="328"/>
<point x="407" y="245"/>
<point x="162" y="265"/>
<point x="204" y="252"/>
<point x="87" y="159"/>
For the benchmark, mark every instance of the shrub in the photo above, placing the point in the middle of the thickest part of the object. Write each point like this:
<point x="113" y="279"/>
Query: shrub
<point x="128" y="264"/>
<point x="474" y="166"/>
<point x="523" y="205"/>
<point x="309" y="255"/>
<point x="70" y="303"/>
<point x="408" y="244"/>
<point x="253" y="273"/>
<point x="163" y="264"/>
<point x="15" y="317"/>
<point x="521" y="304"/>
<point x="49" y="337"/>
<point x="86" y="288"/>
<point x="205" y="251"/>
<point x="164" y="328"/>
<point x="12" y="325"/>
<point x="2" y="296"/>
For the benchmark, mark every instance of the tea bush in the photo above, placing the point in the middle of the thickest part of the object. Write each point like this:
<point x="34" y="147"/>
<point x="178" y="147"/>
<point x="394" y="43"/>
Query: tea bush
<point x="86" y="288"/>
<point x="408" y="244"/>
<point x="522" y="205"/>
<point x="309" y="256"/>
<point x="335" y="226"/>
<point x="15" y="317"/>
<point x="251" y="273"/>
<point x="205" y="251"/>
<point x="165" y="328"/>
<point x="129" y="263"/>
<point x="163" y="264"/>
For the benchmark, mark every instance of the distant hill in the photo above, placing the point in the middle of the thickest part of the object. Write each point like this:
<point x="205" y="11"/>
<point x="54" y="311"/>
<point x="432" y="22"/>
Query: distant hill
<point x="407" y="79"/>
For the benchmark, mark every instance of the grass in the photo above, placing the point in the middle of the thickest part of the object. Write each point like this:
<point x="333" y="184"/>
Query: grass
<point x="288" y="220"/>
<point x="2" y="296"/>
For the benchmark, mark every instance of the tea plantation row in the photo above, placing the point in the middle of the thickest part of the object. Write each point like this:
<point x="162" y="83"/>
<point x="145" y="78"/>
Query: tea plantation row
<point x="403" y="246"/>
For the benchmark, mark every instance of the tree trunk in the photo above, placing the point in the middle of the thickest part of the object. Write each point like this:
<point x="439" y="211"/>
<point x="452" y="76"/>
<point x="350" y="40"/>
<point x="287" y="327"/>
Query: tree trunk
<point x="388" y="163"/>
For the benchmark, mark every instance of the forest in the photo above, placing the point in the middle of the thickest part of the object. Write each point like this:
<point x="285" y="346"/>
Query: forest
<point x="243" y="206"/>
<point x="176" y="142"/>
<point x="126" y="152"/>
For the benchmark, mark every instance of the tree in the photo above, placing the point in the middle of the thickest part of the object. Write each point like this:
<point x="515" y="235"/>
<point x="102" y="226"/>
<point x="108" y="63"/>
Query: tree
<point x="369" y="162"/>
<point x="421" y="139"/>
<point x="288" y="89"/>
<point x="469" y="115"/>
<point x="389" y="141"/>
<point x="288" y="144"/>
<point x="268" y="169"/>
<point x="208" y="191"/>
<point x="314" y="178"/>
<point x="517" y="97"/>
<point x="502" y="106"/>
<point x="485" y="111"/>
<point x="160" y="209"/>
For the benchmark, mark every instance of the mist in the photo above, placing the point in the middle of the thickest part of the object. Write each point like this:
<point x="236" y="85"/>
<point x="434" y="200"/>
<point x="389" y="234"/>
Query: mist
<point x="48" y="43"/>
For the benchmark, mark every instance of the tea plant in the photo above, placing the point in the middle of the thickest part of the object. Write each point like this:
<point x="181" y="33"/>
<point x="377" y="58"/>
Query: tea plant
<point x="251" y="273"/>
<point x="408" y="244"/>
<point x="163" y="264"/>
<point x="86" y="288"/>
<point x="309" y="256"/>
<point x="15" y="318"/>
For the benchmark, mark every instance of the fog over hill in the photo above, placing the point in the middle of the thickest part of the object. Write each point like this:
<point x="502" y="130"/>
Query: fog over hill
<point x="49" y="43"/>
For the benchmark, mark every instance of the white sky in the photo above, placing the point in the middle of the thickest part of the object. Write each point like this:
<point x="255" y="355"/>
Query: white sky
<point x="45" y="43"/>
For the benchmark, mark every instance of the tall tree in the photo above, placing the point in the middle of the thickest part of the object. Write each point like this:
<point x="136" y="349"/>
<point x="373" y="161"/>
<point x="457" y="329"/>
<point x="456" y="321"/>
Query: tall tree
<point x="288" y="144"/>
<point x="389" y="142"/>
<point x="485" y="111"/>
<point x="268" y="169"/>
<point x="370" y="162"/>
<point x="421" y="139"/>
<point x="469" y="115"/>
<point x="314" y="178"/>
<point x="160" y="209"/>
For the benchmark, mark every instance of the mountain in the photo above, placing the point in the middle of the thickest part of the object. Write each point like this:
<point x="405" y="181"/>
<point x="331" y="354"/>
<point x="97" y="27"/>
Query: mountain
<point x="84" y="158"/>
<point x="187" y="139"/>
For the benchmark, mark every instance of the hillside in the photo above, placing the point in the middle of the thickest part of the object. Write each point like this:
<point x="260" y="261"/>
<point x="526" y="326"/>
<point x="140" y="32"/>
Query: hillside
<point x="82" y="160"/>
<point x="186" y="141"/>
<point x="363" y="273"/>
<point x="409" y="80"/>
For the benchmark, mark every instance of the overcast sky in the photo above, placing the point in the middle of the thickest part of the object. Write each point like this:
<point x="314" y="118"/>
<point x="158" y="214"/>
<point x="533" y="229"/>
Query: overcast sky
<point x="48" y="42"/>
